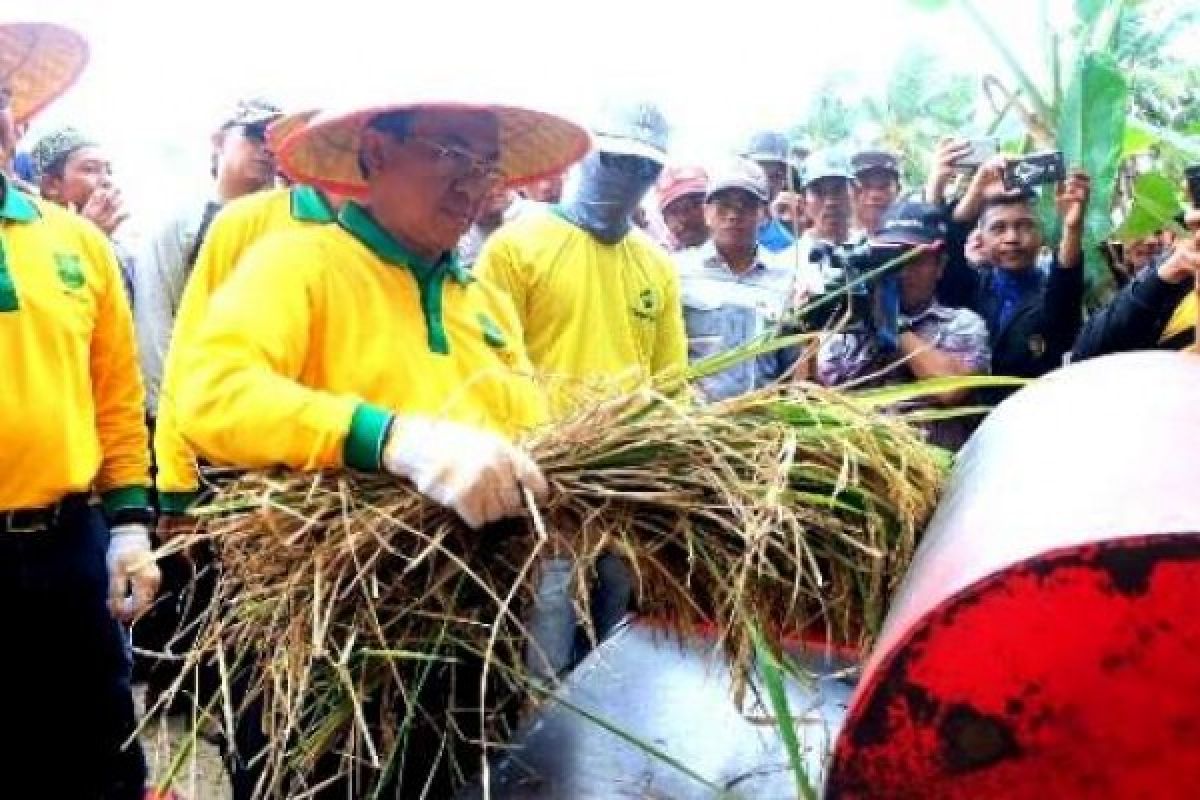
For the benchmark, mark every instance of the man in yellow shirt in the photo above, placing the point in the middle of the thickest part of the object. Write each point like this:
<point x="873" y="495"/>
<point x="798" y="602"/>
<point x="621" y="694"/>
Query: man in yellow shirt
<point x="188" y="583"/>
<point x="71" y="426"/>
<point x="364" y="344"/>
<point x="598" y="299"/>
<point x="238" y="226"/>
<point x="600" y="304"/>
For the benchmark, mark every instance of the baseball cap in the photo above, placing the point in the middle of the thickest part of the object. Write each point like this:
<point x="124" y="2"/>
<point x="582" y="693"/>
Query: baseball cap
<point x="829" y="163"/>
<point x="632" y="129"/>
<point x="768" y="146"/>
<point x="53" y="149"/>
<point x="913" y="222"/>
<point x="250" y="112"/>
<point x="677" y="182"/>
<point x="738" y="173"/>
<point x="865" y="160"/>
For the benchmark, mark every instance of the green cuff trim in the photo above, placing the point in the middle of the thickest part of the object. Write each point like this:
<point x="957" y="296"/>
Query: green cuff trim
<point x="126" y="498"/>
<point x="364" y="442"/>
<point x="176" y="502"/>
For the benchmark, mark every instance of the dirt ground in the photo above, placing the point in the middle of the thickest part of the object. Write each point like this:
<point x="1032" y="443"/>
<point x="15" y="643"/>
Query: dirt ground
<point x="202" y="777"/>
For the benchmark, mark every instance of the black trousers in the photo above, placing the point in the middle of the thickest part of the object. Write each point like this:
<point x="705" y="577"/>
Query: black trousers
<point x="65" y="669"/>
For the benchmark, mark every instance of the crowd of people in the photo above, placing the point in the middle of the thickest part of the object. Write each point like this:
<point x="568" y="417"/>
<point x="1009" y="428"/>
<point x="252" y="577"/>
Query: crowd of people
<point x="407" y="289"/>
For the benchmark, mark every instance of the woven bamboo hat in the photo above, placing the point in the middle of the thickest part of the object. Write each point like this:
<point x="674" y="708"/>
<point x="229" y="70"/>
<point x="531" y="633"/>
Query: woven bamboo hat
<point x="533" y="144"/>
<point x="38" y="62"/>
<point x="283" y="127"/>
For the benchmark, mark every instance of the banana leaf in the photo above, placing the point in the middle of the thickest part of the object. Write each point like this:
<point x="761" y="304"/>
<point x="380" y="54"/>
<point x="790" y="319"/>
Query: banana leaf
<point x="1156" y="203"/>
<point x="1091" y="134"/>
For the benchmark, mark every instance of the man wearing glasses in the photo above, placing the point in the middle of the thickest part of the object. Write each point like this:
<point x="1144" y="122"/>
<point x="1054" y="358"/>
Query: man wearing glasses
<point x="366" y="344"/>
<point x="241" y="164"/>
<point x="733" y="292"/>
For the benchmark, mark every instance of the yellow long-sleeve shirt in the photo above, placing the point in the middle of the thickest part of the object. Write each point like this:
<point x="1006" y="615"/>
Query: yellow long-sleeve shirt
<point x="1184" y="318"/>
<point x="322" y="334"/>
<point x="72" y="405"/>
<point x="239" y="225"/>
<point x="589" y="310"/>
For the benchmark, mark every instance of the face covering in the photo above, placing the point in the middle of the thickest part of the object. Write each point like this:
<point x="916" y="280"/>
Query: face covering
<point x="608" y="194"/>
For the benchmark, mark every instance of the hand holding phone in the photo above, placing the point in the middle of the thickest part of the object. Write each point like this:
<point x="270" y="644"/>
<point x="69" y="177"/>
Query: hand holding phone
<point x="979" y="151"/>
<point x="1033" y="170"/>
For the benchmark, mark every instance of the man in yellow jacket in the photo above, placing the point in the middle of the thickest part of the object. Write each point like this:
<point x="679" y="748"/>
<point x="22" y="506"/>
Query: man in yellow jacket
<point x="188" y="582"/>
<point x="365" y="344"/>
<point x="71" y="427"/>
<point x="600" y="304"/>
<point x="235" y="228"/>
<point x="598" y="298"/>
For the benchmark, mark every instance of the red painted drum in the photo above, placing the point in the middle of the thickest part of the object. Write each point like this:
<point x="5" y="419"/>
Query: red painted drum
<point x="1046" y="641"/>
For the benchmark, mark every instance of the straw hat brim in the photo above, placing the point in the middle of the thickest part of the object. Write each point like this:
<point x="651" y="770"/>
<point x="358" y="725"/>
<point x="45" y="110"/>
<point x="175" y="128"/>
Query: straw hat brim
<point x="533" y="144"/>
<point x="39" y="61"/>
<point x="282" y="127"/>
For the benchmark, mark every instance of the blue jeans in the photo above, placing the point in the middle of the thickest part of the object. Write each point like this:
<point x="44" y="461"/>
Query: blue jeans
<point x="555" y="643"/>
<point x="65" y="668"/>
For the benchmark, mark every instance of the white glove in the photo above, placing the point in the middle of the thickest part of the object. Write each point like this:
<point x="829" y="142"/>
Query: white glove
<point x="133" y="577"/>
<point x="475" y="472"/>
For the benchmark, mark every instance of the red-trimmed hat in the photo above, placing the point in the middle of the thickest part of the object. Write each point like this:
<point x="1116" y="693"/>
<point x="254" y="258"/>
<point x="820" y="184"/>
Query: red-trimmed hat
<point x="677" y="182"/>
<point x="533" y="144"/>
<point x="38" y="62"/>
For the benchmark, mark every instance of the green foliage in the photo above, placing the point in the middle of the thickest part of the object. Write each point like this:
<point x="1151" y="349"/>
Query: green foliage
<point x="1091" y="134"/>
<point x="1155" y="204"/>
<point x="773" y="677"/>
<point x="920" y="104"/>
<point x="831" y="119"/>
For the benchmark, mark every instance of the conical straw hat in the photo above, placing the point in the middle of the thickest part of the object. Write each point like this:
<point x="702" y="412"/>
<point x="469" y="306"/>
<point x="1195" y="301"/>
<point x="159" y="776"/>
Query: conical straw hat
<point x="38" y="62"/>
<point x="533" y="144"/>
<point x="283" y="127"/>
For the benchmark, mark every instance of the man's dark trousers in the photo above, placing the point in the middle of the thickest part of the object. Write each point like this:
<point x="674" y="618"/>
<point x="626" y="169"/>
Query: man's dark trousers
<point x="65" y="669"/>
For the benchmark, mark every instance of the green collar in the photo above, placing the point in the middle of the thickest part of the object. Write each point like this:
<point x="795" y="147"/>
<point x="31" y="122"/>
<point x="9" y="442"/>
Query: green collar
<point x="358" y="221"/>
<point x="309" y="204"/>
<point x="17" y="207"/>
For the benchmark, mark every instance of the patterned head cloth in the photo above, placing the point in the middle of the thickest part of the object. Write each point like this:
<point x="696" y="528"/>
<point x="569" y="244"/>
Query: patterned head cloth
<point x="252" y="111"/>
<point x="52" y="150"/>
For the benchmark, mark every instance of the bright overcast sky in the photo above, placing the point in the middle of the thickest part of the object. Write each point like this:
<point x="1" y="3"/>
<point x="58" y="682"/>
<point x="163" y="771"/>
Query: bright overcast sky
<point x="163" y="71"/>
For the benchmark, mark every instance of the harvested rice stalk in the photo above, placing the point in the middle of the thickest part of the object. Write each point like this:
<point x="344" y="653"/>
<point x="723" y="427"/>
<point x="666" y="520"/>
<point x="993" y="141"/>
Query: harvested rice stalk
<point x="344" y="597"/>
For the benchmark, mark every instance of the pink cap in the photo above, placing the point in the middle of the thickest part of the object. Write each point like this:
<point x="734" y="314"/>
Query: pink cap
<point x="675" y="182"/>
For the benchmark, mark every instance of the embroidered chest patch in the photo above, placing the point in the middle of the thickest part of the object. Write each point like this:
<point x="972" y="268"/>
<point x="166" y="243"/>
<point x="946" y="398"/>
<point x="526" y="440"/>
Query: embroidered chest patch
<point x="70" y="270"/>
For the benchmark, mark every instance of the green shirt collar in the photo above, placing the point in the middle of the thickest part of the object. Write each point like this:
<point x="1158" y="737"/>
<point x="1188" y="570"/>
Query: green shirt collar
<point x="309" y="204"/>
<point x="17" y="207"/>
<point x="360" y="224"/>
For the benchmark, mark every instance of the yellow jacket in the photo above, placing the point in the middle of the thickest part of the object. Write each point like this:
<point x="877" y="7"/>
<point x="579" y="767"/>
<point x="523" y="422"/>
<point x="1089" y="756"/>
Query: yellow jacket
<point x="72" y="406"/>
<point x="589" y="310"/>
<point x="1184" y="318"/>
<point x="324" y="333"/>
<point x="239" y="225"/>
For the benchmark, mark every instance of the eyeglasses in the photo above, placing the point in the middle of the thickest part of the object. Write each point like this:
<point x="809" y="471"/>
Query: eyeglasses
<point x="449" y="161"/>
<point x="641" y="168"/>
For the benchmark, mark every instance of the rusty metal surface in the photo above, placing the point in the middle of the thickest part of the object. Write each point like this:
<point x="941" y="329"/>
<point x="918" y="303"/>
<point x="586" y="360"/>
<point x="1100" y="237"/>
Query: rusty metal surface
<point x="1073" y="675"/>
<point x="675" y="697"/>
<point x="1045" y="643"/>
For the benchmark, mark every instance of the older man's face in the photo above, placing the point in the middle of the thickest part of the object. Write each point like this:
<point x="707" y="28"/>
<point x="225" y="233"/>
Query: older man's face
<point x="431" y="185"/>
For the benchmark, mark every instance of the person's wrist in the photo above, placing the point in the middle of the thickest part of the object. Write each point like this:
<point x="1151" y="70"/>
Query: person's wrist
<point x="1174" y="270"/>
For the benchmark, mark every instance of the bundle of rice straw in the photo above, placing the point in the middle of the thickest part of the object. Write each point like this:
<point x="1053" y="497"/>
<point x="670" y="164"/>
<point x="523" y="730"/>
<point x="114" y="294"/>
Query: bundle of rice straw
<point x="343" y="595"/>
